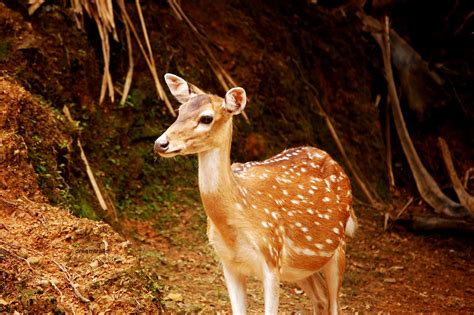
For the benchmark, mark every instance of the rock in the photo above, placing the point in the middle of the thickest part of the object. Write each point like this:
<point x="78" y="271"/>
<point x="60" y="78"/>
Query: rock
<point x="94" y="264"/>
<point x="33" y="260"/>
<point x="23" y="253"/>
<point x="176" y="297"/>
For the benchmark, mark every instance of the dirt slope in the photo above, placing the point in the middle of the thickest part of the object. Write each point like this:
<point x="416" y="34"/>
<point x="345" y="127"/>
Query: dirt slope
<point x="51" y="261"/>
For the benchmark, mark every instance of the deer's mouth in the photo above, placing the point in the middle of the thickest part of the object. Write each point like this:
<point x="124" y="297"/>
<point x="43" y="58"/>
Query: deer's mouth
<point x="170" y="153"/>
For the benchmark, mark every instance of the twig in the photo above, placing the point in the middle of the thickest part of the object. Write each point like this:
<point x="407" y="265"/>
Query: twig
<point x="388" y="145"/>
<point x="38" y="215"/>
<point x="57" y="289"/>
<point x="467" y="176"/>
<point x="8" y="202"/>
<point x="464" y="198"/>
<point x="106" y="246"/>
<point x="70" y="279"/>
<point x="427" y="187"/>
<point x="128" y="79"/>
<point x="404" y="208"/>
<point x="222" y="76"/>
<point x="365" y="204"/>
<point x="149" y="62"/>
<point x="16" y="256"/>
<point x="90" y="174"/>
<point x="358" y="177"/>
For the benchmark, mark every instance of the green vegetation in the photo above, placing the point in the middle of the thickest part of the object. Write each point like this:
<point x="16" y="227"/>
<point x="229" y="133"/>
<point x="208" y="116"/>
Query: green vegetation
<point x="4" y="50"/>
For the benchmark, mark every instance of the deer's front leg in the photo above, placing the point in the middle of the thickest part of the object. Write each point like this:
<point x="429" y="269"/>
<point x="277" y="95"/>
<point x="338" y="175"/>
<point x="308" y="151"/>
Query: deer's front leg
<point x="271" y="287"/>
<point x="235" y="283"/>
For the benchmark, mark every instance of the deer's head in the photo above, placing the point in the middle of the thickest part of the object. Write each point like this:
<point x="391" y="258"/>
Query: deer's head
<point x="203" y="119"/>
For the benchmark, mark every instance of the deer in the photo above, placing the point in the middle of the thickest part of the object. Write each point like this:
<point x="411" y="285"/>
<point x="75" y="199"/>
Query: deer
<point x="281" y="219"/>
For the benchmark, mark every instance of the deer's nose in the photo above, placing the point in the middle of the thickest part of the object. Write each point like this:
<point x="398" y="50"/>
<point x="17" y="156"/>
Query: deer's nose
<point x="162" y="143"/>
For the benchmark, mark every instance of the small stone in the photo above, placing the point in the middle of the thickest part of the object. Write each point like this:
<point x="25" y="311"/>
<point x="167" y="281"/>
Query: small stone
<point x="33" y="260"/>
<point x="389" y="280"/>
<point x="23" y="253"/>
<point x="176" y="297"/>
<point x="94" y="264"/>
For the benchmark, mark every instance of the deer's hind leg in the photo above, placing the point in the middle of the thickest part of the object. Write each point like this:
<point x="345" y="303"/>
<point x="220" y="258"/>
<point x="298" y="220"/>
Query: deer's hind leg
<point x="333" y="273"/>
<point x="323" y="287"/>
<point x="316" y="290"/>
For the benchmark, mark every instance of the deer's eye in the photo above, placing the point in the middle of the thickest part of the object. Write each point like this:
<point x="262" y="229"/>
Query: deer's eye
<point x="206" y="119"/>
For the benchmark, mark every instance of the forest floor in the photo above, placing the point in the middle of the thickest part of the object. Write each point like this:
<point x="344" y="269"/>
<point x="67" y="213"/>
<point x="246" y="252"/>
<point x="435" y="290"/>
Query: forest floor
<point x="51" y="260"/>
<point x="45" y="252"/>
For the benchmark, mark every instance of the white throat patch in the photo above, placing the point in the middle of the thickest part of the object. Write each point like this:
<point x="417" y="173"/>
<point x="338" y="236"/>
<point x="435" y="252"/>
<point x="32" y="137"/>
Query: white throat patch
<point x="209" y="163"/>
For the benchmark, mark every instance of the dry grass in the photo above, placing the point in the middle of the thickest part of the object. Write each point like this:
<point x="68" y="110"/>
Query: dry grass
<point x="102" y="12"/>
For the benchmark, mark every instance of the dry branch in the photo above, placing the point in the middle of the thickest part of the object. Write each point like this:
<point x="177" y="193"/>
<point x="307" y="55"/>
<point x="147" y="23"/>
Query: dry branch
<point x="467" y="176"/>
<point x="431" y="223"/>
<point x="102" y="12"/>
<point x="149" y="59"/>
<point x="429" y="190"/>
<point x="464" y="198"/>
<point x="222" y="76"/>
<point x="70" y="280"/>
<point x="89" y="172"/>
<point x="373" y="200"/>
<point x="128" y="78"/>
<point x="388" y="147"/>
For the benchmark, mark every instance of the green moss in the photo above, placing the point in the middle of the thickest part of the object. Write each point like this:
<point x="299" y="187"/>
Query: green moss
<point x="4" y="50"/>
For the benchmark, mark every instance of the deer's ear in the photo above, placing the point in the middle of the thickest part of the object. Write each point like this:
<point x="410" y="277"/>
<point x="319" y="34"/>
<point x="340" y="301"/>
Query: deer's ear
<point x="235" y="100"/>
<point x="181" y="89"/>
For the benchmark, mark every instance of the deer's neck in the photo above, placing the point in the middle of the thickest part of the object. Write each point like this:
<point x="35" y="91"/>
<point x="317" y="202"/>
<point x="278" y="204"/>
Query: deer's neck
<point x="216" y="183"/>
<point x="215" y="173"/>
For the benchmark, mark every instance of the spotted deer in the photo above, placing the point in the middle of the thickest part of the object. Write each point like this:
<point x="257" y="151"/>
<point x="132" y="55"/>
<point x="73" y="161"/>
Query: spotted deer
<point x="282" y="219"/>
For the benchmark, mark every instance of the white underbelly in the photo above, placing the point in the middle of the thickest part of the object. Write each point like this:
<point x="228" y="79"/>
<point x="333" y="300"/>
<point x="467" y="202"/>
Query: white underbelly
<point x="244" y="258"/>
<point x="247" y="259"/>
